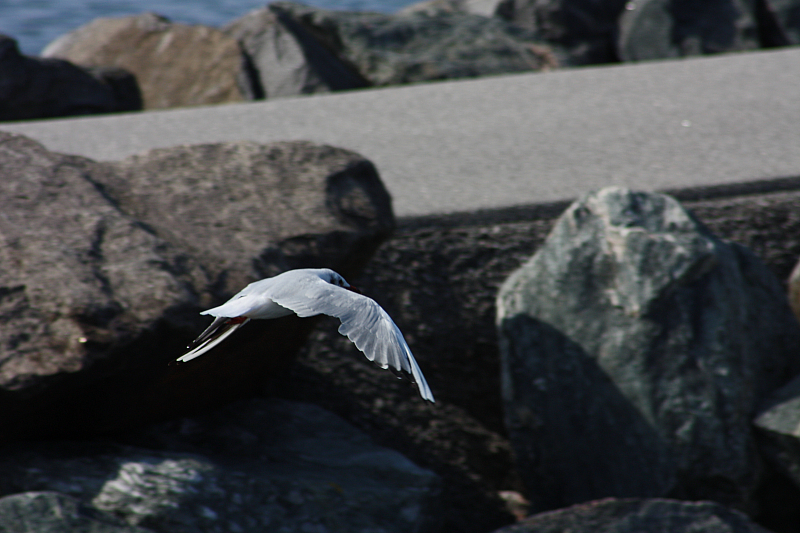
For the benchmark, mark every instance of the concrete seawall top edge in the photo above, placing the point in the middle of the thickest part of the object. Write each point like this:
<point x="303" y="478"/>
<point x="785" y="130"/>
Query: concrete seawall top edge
<point x="494" y="143"/>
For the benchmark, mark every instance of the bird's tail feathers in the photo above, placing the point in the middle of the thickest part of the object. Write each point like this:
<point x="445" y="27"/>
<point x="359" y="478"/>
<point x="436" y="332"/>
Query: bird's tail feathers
<point x="210" y="330"/>
<point x="218" y="331"/>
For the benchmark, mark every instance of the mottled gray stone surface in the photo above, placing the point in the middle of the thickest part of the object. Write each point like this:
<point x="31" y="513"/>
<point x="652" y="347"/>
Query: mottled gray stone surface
<point x="52" y="512"/>
<point x="410" y="48"/>
<point x="263" y="465"/>
<point x="286" y="59"/>
<point x="635" y="346"/>
<point x="107" y="266"/>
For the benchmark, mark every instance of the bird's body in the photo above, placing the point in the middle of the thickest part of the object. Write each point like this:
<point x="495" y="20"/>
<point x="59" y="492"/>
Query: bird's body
<point x="308" y="292"/>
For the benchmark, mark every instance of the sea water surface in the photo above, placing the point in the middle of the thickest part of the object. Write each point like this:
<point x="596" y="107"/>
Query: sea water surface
<point x="35" y="23"/>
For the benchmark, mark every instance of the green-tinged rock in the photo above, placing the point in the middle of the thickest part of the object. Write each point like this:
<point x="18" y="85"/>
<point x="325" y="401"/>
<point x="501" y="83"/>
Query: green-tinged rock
<point x="635" y="348"/>
<point x="409" y="48"/>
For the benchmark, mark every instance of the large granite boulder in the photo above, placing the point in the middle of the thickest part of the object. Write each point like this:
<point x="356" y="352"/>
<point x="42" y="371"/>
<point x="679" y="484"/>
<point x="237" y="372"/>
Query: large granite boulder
<point x="659" y="29"/>
<point x="237" y="206"/>
<point x="261" y="465"/>
<point x="82" y="280"/>
<point x="174" y="64"/>
<point x="638" y="516"/>
<point x="286" y="59"/>
<point x="109" y="264"/>
<point x="635" y="347"/>
<point x="586" y="29"/>
<point x="32" y="87"/>
<point x="408" y="48"/>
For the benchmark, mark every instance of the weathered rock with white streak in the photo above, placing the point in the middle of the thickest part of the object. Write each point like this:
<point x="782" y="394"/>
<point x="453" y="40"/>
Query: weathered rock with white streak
<point x="263" y="465"/>
<point x="635" y="347"/>
<point x="174" y="64"/>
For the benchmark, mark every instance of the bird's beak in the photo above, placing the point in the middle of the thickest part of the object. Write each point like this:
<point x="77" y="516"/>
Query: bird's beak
<point x="354" y="289"/>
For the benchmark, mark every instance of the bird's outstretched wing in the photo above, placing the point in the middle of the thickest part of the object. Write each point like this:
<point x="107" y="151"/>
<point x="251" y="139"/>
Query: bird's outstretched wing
<point x="363" y="321"/>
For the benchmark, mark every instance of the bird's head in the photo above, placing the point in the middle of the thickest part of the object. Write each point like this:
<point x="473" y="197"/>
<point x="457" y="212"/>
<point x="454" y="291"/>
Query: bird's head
<point x="335" y="279"/>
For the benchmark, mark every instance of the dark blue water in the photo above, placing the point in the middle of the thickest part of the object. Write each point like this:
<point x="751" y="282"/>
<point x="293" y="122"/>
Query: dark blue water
<point x="35" y="23"/>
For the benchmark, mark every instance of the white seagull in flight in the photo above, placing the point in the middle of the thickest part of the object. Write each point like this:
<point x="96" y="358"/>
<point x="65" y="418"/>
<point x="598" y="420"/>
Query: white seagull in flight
<point x="308" y="292"/>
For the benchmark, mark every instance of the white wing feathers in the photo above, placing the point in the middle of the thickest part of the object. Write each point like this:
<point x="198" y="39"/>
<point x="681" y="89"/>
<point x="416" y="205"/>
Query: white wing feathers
<point x="363" y="321"/>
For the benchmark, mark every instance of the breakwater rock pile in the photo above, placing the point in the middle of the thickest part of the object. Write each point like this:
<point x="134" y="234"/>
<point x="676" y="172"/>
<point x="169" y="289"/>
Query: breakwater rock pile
<point x="627" y="359"/>
<point x="146" y="61"/>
